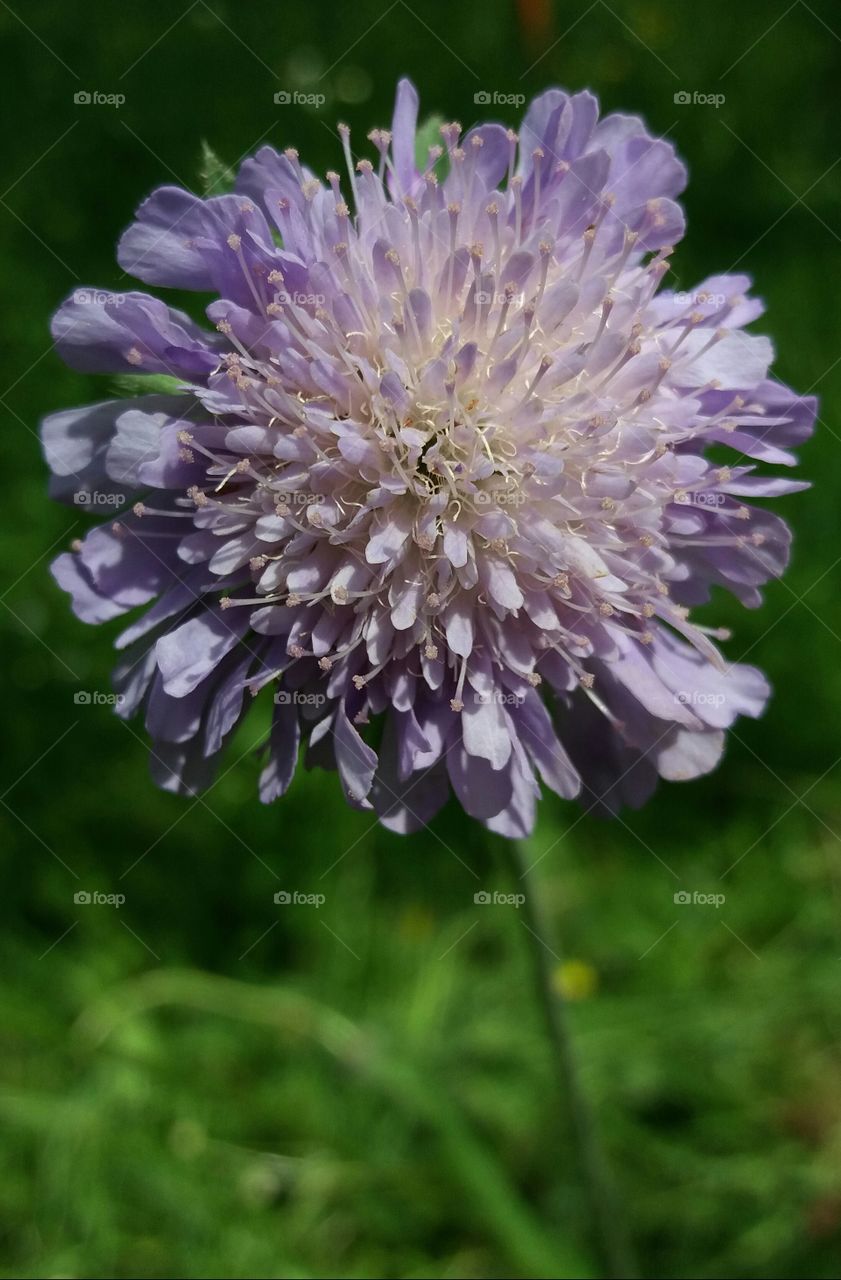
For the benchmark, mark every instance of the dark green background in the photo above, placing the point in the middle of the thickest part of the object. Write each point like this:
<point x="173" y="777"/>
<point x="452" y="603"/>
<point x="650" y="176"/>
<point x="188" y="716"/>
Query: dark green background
<point x="166" y="1109"/>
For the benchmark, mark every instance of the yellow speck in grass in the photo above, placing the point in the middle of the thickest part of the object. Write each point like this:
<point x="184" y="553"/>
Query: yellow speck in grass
<point x="416" y="924"/>
<point x="576" y="979"/>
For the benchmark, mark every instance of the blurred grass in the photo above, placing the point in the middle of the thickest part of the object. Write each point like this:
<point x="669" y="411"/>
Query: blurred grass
<point x="200" y="1137"/>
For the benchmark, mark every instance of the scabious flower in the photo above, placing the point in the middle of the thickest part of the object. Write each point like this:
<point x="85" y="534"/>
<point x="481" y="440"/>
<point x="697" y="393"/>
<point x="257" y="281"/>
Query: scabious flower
<point x="437" y="476"/>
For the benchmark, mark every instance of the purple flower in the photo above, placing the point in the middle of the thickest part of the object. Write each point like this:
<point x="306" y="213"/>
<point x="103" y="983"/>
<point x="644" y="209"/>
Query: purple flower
<point x="436" y="477"/>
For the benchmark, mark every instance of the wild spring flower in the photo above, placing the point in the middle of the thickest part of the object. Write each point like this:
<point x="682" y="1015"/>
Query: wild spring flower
<point x="437" y="474"/>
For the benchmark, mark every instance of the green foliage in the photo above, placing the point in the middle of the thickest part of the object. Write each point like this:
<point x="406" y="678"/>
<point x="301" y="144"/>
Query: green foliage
<point x="144" y="384"/>
<point x="203" y="1083"/>
<point x="429" y="135"/>
<point x="216" y="177"/>
<point x="367" y="1093"/>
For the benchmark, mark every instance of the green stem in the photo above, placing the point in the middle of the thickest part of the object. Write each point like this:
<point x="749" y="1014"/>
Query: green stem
<point x="608" y="1229"/>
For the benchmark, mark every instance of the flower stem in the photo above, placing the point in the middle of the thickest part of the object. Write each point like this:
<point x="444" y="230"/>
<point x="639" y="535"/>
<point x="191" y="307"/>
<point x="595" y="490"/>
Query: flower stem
<point x="607" y="1225"/>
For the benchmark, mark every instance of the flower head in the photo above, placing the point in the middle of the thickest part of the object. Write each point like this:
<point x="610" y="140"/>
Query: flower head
<point x="437" y="473"/>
